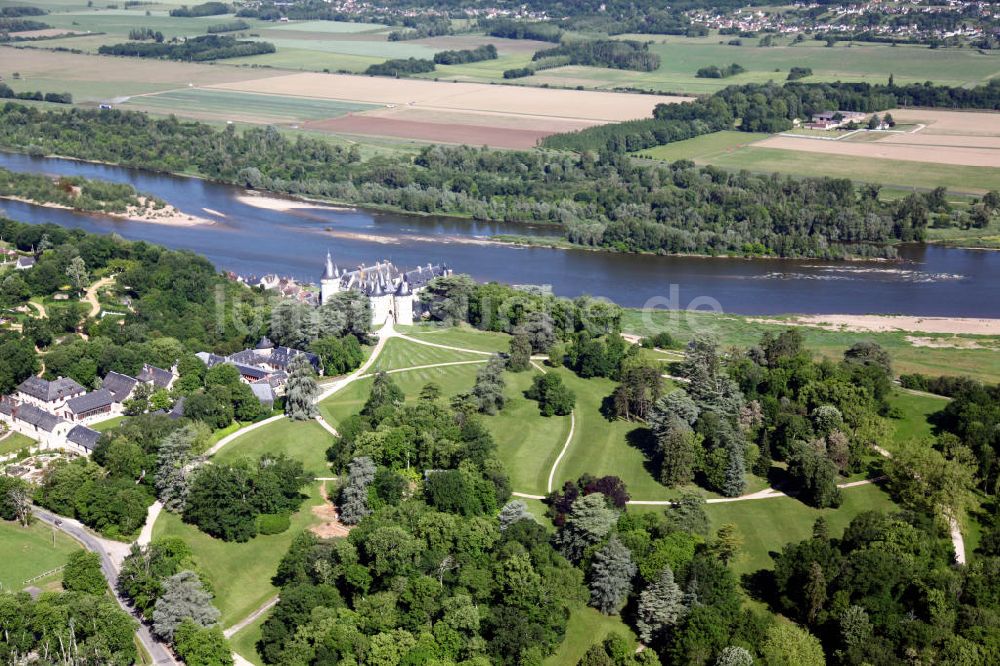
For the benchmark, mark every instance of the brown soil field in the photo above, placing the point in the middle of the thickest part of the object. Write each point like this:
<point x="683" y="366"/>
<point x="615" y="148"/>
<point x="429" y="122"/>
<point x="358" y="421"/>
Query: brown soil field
<point x="514" y="100"/>
<point x="968" y="123"/>
<point x="475" y="135"/>
<point x="923" y="138"/>
<point x="480" y="118"/>
<point x="984" y="157"/>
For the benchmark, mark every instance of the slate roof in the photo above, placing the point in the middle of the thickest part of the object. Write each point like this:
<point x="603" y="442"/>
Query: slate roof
<point x="36" y="416"/>
<point x="120" y="385"/>
<point x="282" y="357"/>
<point x="177" y="411"/>
<point x="158" y="376"/>
<point x="25" y="262"/>
<point x="250" y="371"/>
<point x="263" y="391"/>
<point x="84" y="436"/>
<point x="88" y="402"/>
<point x="47" y="391"/>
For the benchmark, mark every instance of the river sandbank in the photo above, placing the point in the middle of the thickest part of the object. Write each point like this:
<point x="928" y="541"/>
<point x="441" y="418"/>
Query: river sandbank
<point x="892" y="323"/>
<point x="166" y="215"/>
<point x="281" y="205"/>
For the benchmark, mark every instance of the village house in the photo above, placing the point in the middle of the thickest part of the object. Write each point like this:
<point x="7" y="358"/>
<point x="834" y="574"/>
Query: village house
<point x="33" y="421"/>
<point x="24" y="263"/>
<point x="157" y="378"/>
<point x="84" y="438"/>
<point x="121" y="386"/>
<point x="48" y="395"/>
<point x="94" y="406"/>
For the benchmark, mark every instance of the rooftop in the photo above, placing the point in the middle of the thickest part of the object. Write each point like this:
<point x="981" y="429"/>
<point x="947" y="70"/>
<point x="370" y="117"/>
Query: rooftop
<point x="47" y="391"/>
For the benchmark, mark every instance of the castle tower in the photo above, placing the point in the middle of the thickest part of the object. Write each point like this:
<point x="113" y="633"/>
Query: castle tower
<point x="329" y="284"/>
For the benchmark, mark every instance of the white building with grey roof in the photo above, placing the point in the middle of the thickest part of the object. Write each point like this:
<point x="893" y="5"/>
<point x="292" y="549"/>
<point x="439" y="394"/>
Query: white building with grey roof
<point x="391" y="291"/>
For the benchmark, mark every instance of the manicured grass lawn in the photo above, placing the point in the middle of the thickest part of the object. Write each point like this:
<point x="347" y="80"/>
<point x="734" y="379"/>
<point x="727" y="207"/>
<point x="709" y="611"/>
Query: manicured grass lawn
<point x="110" y="424"/>
<point x="527" y="442"/>
<point x="28" y="552"/>
<point x="240" y="573"/>
<point x="898" y="173"/>
<point x="702" y="149"/>
<point x="15" y="442"/>
<point x="916" y="409"/>
<point x="305" y="441"/>
<point x="246" y="105"/>
<point x="769" y="524"/>
<point x="459" y="336"/>
<point x="453" y="379"/>
<point x="587" y="626"/>
<point x="405" y="354"/>
<point x="742" y="332"/>
<point x="244" y="642"/>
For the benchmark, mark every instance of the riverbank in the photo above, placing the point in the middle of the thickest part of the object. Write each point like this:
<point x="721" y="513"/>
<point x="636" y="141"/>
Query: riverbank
<point x="890" y="324"/>
<point x="166" y="215"/>
<point x="283" y="205"/>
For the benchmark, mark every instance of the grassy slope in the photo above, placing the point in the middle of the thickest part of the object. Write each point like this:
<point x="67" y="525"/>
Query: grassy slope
<point x="703" y="149"/>
<point x="244" y="642"/>
<point x="240" y="573"/>
<point x="28" y="552"/>
<point x="305" y="441"/>
<point x="15" y="442"/>
<point x="527" y="442"/>
<point x="404" y="354"/>
<point x="586" y="627"/>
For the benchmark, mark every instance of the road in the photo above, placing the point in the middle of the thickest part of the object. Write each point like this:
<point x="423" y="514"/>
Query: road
<point x="90" y="541"/>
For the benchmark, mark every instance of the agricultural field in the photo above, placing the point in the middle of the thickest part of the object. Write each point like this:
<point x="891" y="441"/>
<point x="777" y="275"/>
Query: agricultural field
<point x="31" y="551"/>
<point x="205" y="103"/>
<point x="955" y="149"/>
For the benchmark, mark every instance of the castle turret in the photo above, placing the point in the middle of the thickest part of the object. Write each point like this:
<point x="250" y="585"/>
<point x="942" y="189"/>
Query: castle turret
<point x="329" y="284"/>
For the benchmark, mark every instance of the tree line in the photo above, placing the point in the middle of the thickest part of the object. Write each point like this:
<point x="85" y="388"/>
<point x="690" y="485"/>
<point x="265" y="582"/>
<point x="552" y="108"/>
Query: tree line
<point x="478" y="54"/>
<point x="613" y="53"/>
<point x="193" y="49"/>
<point x="401" y="67"/>
<point x="6" y="92"/>
<point x="204" y="9"/>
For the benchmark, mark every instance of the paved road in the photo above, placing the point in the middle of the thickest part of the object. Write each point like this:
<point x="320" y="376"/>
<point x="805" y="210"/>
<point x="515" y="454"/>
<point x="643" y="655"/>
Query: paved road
<point x="159" y="652"/>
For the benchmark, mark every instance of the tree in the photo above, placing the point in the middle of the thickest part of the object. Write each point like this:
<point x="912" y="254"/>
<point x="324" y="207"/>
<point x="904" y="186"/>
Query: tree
<point x="589" y="520"/>
<point x="554" y="397"/>
<point x="639" y="390"/>
<point x="928" y="481"/>
<point x="301" y="390"/>
<point x="789" y="645"/>
<point x="488" y="391"/>
<point x="815" y="591"/>
<point x="727" y="543"/>
<point x="611" y="576"/>
<point x="855" y="627"/>
<point x="202" y="646"/>
<point x="183" y="596"/>
<point x="354" y="497"/>
<point x="520" y="353"/>
<point x="512" y="512"/>
<point x="688" y="514"/>
<point x="734" y="655"/>
<point x="816" y="476"/>
<point x="173" y="465"/>
<point x="874" y="122"/>
<point x="661" y="605"/>
<point x="83" y="573"/>
<point x="77" y="273"/>
<point x="867" y="352"/>
<point x="385" y="394"/>
<point x="15" y="500"/>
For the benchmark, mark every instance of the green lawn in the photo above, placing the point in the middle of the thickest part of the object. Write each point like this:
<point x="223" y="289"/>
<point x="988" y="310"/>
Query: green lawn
<point x="332" y="27"/>
<point x="703" y="149"/>
<point x="15" y="442"/>
<point x="459" y="336"/>
<point x="244" y="642"/>
<point x="767" y="525"/>
<point x="240" y="573"/>
<point x="735" y="330"/>
<point x="264" y="108"/>
<point x="527" y="442"/>
<point x="915" y="409"/>
<point x="453" y="379"/>
<point x="587" y="626"/>
<point x="305" y="441"/>
<point x="109" y="424"/>
<point x="405" y="354"/>
<point x="29" y="552"/>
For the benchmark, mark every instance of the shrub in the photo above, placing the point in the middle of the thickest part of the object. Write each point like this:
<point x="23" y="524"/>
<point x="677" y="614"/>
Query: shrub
<point x="273" y="523"/>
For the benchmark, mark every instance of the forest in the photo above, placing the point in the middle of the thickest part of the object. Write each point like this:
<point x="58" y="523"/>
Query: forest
<point x="401" y="67"/>
<point x="478" y="54"/>
<point x="73" y="192"/>
<point x="205" y="9"/>
<point x="194" y="49"/>
<point x="643" y="207"/>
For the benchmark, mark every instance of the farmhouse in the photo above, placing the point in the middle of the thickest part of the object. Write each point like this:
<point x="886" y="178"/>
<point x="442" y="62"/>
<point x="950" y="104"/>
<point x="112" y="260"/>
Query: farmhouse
<point x="48" y="395"/>
<point x="88" y="407"/>
<point x="391" y="291"/>
<point x="833" y="119"/>
<point x="263" y="366"/>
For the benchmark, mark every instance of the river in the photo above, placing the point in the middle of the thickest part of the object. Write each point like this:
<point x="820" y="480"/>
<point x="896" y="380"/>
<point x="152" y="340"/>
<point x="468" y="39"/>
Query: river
<point x="928" y="280"/>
